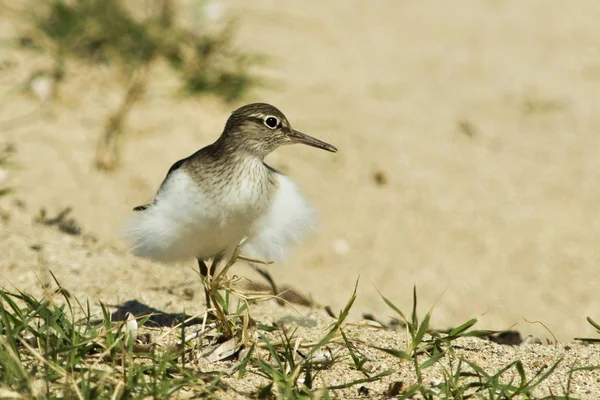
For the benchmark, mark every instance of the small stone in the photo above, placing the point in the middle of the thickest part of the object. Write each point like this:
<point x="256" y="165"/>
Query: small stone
<point x="131" y="328"/>
<point x="340" y="246"/>
<point x="530" y="340"/>
<point x="435" y="382"/>
<point x="41" y="86"/>
<point x="395" y="389"/>
<point x="188" y="293"/>
<point x="214" y="10"/>
<point x="363" y="391"/>
<point x="380" y="178"/>
<point x="467" y="128"/>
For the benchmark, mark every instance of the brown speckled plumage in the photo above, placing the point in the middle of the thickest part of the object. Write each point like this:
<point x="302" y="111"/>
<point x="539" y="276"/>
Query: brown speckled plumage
<point x="224" y="192"/>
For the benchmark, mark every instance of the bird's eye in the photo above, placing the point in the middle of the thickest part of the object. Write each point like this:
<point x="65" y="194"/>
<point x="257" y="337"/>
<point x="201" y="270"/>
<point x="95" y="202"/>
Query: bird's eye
<point x="271" y="122"/>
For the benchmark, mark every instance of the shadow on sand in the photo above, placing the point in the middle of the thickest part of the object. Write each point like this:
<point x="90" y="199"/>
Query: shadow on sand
<point x="157" y="317"/>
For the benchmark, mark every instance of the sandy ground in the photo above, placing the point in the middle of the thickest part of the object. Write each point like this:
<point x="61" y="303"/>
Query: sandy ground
<point x="468" y="162"/>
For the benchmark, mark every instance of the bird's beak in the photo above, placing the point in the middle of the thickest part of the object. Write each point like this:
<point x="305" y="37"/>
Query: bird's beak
<point x="299" y="137"/>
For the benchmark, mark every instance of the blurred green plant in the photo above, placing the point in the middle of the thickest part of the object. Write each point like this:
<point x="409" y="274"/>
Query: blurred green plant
<point x="132" y="35"/>
<point x="98" y="30"/>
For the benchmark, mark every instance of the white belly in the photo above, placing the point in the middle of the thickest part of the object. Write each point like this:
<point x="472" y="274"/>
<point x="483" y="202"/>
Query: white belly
<point x="184" y="223"/>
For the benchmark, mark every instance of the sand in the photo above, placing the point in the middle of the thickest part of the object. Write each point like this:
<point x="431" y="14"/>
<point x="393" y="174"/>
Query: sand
<point x="468" y="161"/>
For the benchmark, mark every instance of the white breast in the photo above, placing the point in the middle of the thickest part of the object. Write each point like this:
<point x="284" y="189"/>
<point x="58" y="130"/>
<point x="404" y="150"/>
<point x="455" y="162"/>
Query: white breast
<point x="287" y="222"/>
<point x="184" y="223"/>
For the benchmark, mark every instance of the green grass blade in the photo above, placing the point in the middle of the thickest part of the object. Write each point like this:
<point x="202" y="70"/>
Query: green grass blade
<point x="415" y="319"/>
<point x="358" y="363"/>
<point x="336" y="326"/>
<point x="432" y="360"/>
<point x="362" y="380"/>
<point x="393" y="307"/>
<point x="594" y="324"/>
<point x="423" y="328"/>
<point x="396" y="353"/>
<point x="458" y="331"/>
<point x="547" y="373"/>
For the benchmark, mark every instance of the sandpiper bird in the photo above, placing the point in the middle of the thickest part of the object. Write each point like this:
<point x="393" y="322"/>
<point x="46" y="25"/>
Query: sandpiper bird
<point x="225" y="194"/>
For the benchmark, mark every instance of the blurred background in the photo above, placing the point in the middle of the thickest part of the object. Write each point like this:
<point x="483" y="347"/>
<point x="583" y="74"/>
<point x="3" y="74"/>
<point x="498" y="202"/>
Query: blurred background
<point x="468" y="161"/>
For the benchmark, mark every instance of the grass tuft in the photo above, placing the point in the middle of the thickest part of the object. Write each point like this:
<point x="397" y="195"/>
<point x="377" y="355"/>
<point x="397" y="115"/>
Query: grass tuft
<point x="428" y="348"/>
<point x="53" y="347"/>
<point x="53" y="350"/>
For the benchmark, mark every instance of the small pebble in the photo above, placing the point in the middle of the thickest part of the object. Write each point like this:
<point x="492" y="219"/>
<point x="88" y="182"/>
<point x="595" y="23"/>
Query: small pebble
<point x="363" y="391"/>
<point x="340" y="246"/>
<point x="188" y="293"/>
<point x="380" y="178"/>
<point x="530" y="340"/>
<point x="42" y="88"/>
<point x="214" y="10"/>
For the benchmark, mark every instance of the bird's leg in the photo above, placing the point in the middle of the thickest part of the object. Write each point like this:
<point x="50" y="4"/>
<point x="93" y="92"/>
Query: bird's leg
<point x="203" y="269"/>
<point x="215" y="262"/>
<point x="208" y="274"/>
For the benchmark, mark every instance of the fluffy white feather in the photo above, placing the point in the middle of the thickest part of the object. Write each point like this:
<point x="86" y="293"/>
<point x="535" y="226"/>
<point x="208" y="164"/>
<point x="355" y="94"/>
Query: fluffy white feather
<point x="286" y="223"/>
<point x="179" y="224"/>
<point x="183" y="223"/>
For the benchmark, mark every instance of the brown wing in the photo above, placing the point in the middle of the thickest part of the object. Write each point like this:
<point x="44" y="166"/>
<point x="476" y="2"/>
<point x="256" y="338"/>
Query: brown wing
<point x="174" y="167"/>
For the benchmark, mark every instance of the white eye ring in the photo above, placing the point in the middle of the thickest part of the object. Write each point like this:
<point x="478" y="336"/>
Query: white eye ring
<point x="271" y="122"/>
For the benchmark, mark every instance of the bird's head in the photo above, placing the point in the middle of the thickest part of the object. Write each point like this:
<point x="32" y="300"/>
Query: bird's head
<point x="260" y="128"/>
